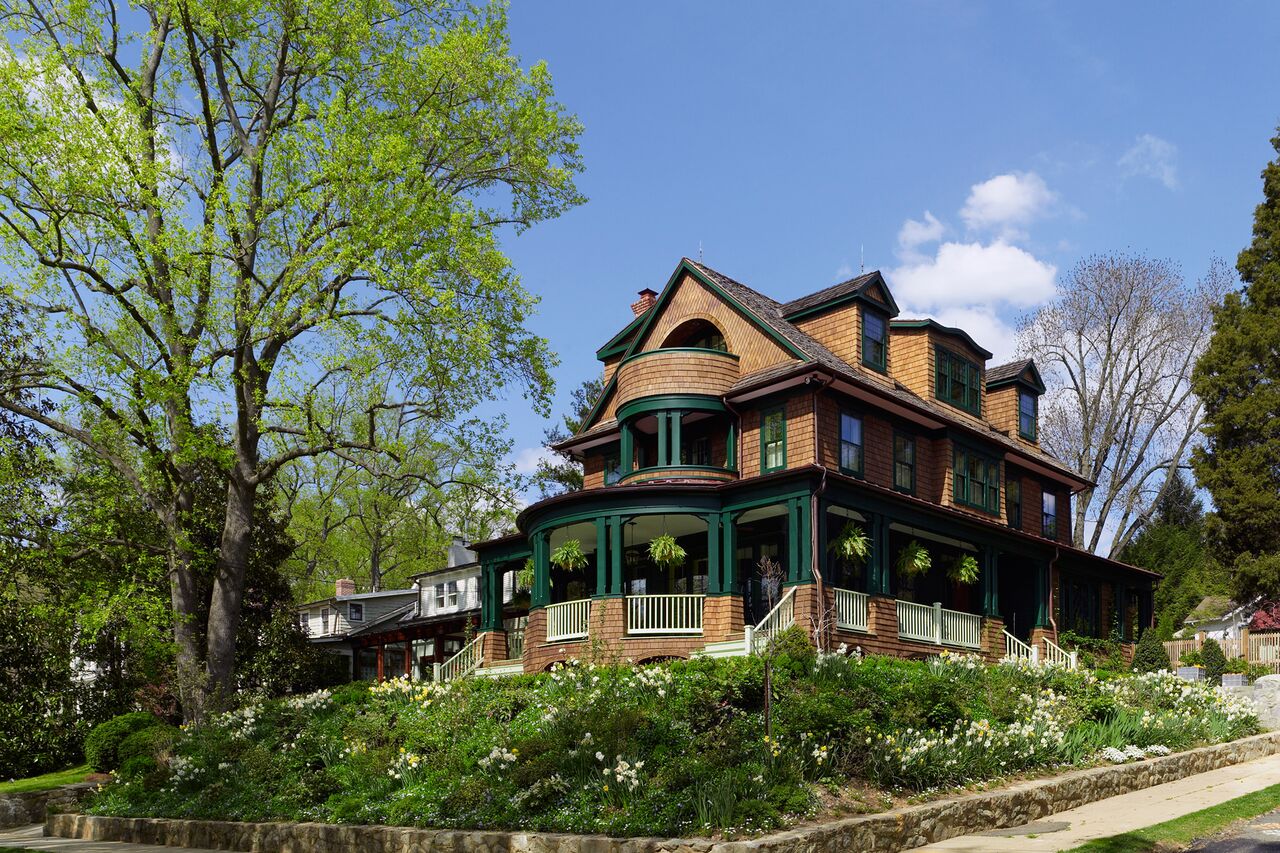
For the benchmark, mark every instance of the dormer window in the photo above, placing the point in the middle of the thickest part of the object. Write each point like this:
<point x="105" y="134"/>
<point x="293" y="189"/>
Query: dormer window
<point x="957" y="381"/>
<point x="1028" y="406"/>
<point x="355" y="612"/>
<point x="875" y="340"/>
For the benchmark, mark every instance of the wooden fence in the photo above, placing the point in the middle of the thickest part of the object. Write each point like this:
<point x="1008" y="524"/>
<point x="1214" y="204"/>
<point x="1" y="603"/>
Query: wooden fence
<point x="1261" y="648"/>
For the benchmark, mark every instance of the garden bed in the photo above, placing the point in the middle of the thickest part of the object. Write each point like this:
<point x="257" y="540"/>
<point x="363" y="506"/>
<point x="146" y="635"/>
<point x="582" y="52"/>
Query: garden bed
<point x="676" y="749"/>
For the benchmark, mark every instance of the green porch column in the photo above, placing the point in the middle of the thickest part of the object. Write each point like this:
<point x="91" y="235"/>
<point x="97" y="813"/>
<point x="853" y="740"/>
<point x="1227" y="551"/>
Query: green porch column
<point x="729" y="553"/>
<point x="804" y="544"/>
<point x="675" y="418"/>
<point x="731" y="447"/>
<point x="490" y="597"/>
<point x="602" y="557"/>
<point x="615" y="555"/>
<point x="1040" y="577"/>
<point x="715" y="568"/>
<point x="990" y="569"/>
<point x="793" y="541"/>
<point x="664" y="458"/>
<point x="541" y="594"/>
<point x="878" y="563"/>
<point x="627" y="449"/>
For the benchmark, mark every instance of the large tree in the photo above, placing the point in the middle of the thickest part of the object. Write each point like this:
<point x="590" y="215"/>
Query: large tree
<point x="1238" y="378"/>
<point x="274" y="221"/>
<point x="1116" y="349"/>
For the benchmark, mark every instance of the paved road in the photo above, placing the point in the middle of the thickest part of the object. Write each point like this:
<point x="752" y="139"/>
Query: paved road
<point x="1128" y="812"/>
<point x="1260" y="835"/>
<point x="32" y="838"/>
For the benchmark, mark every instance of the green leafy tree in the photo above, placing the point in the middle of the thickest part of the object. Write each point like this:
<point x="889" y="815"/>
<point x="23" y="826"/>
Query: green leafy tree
<point x="280" y="218"/>
<point x="1238" y="378"/>
<point x="1150" y="655"/>
<point x="562" y="473"/>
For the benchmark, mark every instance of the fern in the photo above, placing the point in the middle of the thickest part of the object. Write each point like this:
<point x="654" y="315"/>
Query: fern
<point x="852" y="544"/>
<point x="666" y="551"/>
<point x="525" y="577"/>
<point x="914" y="560"/>
<point x="569" y="556"/>
<point x="964" y="569"/>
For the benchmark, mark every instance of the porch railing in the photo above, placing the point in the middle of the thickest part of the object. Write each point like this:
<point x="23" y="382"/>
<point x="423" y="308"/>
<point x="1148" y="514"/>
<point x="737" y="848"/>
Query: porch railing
<point x="664" y="614"/>
<point x="1015" y="649"/>
<point x="465" y="662"/>
<point x="935" y="624"/>
<point x="780" y="618"/>
<point x="851" y="610"/>
<point x="515" y="643"/>
<point x="1055" y="654"/>
<point x="568" y="620"/>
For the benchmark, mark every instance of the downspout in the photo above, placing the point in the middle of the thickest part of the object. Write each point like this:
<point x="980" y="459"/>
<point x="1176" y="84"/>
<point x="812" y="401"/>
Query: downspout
<point x="815" y="547"/>
<point x="1049" y="580"/>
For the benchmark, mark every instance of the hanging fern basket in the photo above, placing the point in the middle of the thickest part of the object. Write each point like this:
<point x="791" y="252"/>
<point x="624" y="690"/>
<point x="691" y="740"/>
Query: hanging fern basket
<point x="852" y="544"/>
<point x="569" y="556"/>
<point x="666" y="552"/>
<point x="964" y="569"/>
<point x="914" y="560"/>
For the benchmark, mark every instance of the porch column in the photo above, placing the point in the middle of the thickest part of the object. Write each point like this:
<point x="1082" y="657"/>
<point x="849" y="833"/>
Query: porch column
<point x="541" y="594"/>
<point x="675" y="419"/>
<point x="990" y="581"/>
<point x="1040" y="578"/>
<point x="664" y="457"/>
<point x="715" y="569"/>
<point x="729" y="554"/>
<point x="626" y="449"/>
<point x="1145" y="608"/>
<point x="615" y="555"/>
<point x="602" y="557"/>
<point x="878" y="563"/>
<point x="490" y="597"/>
<point x="731" y="447"/>
<point x="793" y="541"/>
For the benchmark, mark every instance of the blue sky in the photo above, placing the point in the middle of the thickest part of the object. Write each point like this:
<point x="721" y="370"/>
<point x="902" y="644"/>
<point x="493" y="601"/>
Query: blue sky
<point x="974" y="152"/>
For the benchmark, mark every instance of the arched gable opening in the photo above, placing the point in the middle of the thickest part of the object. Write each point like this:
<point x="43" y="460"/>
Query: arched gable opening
<point x="697" y="333"/>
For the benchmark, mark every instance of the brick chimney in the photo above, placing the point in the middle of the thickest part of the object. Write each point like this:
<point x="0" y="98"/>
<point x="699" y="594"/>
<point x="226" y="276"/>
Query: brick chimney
<point x="344" y="586"/>
<point x="647" y="300"/>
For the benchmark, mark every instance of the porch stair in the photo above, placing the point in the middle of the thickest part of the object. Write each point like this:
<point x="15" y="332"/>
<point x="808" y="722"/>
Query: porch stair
<point x="733" y="646"/>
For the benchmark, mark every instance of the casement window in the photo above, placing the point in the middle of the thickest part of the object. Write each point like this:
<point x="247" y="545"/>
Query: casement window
<point x="875" y="340"/>
<point x="957" y="381"/>
<point x="975" y="480"/>
<point x="1049" y="515"/>
<point x="851" y="444"/>
<point x="447" y="594"/>
<point x="612" y="469"/>
<point x="904" y="463"/>
<point x="355" y="612"/>
<point x="696" y="452"/>
<point x="1028" y="405"/>
<point x="1013" y="497"/>
<point x="773" y="440"/>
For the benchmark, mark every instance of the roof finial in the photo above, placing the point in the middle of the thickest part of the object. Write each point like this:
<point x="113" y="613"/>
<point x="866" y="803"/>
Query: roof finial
<point x="862" y="258"/>
<point x="699" y="251"/>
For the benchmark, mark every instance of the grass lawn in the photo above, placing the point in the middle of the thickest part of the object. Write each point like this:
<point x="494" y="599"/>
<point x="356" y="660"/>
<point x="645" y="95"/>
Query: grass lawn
<point x="45" y="782"/>
<point x="1187" y="828"/>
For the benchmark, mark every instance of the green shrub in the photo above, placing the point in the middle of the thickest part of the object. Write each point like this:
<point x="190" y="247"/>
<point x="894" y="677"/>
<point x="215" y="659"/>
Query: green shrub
<point x="145" y="743"/>
<point x="1191" y="657"/>
<point x="101" y="747"/>
<point x="1150" y="654"/>
<point x="1215" y="662"/>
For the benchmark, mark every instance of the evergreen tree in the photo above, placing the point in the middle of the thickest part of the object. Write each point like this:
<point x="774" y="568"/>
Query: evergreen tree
<point x="1150" y="655"/>
<point x="562" y="473"/>
<point x="1238" y="378"/>
<point x="1215" y="662"/>
<point x="1178" y="504"/>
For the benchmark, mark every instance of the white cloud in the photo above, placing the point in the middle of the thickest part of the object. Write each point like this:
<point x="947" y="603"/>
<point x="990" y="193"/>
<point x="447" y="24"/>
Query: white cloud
<point x="526" y="459"/>
<point x="968" y="274"/>
<point x="1006" y="202"/>
<point x="1151" y="157"/>
<point x="913" y="234"/>
<point x="986" y="328"/>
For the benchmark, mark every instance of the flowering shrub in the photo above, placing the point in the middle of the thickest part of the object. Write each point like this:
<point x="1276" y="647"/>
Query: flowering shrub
<point x="670" y="749"/>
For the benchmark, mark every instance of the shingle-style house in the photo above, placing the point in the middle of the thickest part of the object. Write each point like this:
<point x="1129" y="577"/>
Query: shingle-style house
<point x="759" y="436"/>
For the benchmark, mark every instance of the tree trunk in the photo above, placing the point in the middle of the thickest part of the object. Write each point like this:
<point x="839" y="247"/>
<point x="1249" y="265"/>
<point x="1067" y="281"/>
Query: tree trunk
<point x="228" y="584"/>
<point x="375" y="560"/>
<point x="187" y="615"/>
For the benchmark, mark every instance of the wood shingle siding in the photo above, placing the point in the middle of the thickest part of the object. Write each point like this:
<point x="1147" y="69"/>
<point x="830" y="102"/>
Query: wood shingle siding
<point x="675" y="372"/>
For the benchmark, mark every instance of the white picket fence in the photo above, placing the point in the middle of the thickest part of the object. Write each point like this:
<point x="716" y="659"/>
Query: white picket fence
<point x="935" y="624"/>
<point x="851" y="610"/>
<point x="568" y="620"/>
<point x="664" y="614"/>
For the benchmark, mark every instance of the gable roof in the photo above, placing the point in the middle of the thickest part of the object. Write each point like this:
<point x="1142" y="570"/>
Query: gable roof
<point x="868" y="287"/>
<point x="1023" y="371"/>
<point x="950" y="331"/>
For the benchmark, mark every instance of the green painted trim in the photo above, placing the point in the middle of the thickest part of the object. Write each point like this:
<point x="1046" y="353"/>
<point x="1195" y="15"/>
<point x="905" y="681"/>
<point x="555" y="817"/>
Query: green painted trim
<point x="675" y="421"/>
<point x="664" y="451"/>
<point x="616" y="344"/>
<point x="715" y="568"/>
<point x="883" y="366"/>
<point x="990" y="577"/>
<point x="915" y="462"/>
<point x="602" y="555"/>
<point x="627" y="449"/>
<point x="665" y="350"/>
<point x="989" y="462"/>
<point x="667" y="402"/>
<point x="615" y="555"/>
<point x="1035" y="415"/>
<point x="946" y="330"/>
<point x="1035" y="383"/>
<point x="860" y="295"/>
<point x="590" y="420"/>
<point x="516" y="550"/>
<point x="862" y="448"/>
<point x="765" y="414"/>
<point x="940" y="355"/>
<point x="731" y="446"/>
<point x="638" y="475"/>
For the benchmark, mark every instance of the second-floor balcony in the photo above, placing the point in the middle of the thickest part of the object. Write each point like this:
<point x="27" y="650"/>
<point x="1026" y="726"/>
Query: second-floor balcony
<point x="677" y="370"/>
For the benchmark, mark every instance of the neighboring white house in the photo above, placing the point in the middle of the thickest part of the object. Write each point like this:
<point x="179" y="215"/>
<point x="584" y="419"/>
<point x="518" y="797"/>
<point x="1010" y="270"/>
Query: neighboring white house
<point x="1218" y="618"/>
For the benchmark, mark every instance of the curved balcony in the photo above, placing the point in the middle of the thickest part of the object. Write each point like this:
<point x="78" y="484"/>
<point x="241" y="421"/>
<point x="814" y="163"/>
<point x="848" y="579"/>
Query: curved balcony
<point x="679" y="371"/>
<point x="679" y="473"/>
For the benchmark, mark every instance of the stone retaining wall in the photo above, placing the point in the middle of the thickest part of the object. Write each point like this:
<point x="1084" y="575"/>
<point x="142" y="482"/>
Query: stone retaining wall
<point x="899" y="829"/>
<point x="33" y="806"/>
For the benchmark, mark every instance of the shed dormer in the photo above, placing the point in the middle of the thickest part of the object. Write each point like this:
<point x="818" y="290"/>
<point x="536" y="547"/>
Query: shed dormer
<point x="1013" y="395"/>
<point x="940" y="363"/>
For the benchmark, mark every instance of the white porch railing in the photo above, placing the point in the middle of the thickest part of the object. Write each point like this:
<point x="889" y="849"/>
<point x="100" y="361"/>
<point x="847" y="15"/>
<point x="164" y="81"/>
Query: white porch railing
<point x="851" y="610"/>
<point x="1015" y="649"/>
<point x="515" y="643"/>
<point x="568" y="620"/>
<point x="780" y="618"/>
<point x="1055" y="654"/>
<point x="465" y="662"/>
<point x="664" y="614"/>
<point x="935" y="624"/>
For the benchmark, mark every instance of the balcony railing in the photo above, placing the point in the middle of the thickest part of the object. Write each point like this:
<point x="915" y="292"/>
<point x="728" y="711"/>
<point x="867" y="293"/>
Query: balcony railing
<point x="568" y="621"/>
<point x="851" y="610"/>
<point x="938" y="625"/>
<point x="664" y="614"/>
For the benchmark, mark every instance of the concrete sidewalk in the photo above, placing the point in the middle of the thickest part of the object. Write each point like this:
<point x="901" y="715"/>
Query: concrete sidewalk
<point x="1127" y="812"/>
<point x="32" y="838"/>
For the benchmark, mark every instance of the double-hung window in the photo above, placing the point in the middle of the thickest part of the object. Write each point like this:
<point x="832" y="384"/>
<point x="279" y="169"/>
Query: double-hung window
<point x="1049" y="515"/>
<point x="975" y="480"/>
<point x="1027" y="411"/>
<point x="1013" y="495"/>
<point x="957" y="381"/>
<point x="324" y="620"/>
<point x="355" y="612"/>
<point x="904" y="463"/>
<point x="875" y="340"/>
<point x="773" y="440"/>
<point x="447" y="594"/>
<point x="851" y="444"/>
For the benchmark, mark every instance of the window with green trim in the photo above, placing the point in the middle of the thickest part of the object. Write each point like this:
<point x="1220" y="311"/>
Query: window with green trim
<point x="1013" y="496"/>
<point x="904" y="463"/>
<point x="975" y="480"/>
<point x="612" y="469"/>
<point x="696" y="452"/>
<point x="1049" y="515"/>
<point x="1028" y="406"/>
<point x="875" y="340"/>
<point x="773" y="440"/>
<point x="851" y="444"/>
<point x="957" y="381"/>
